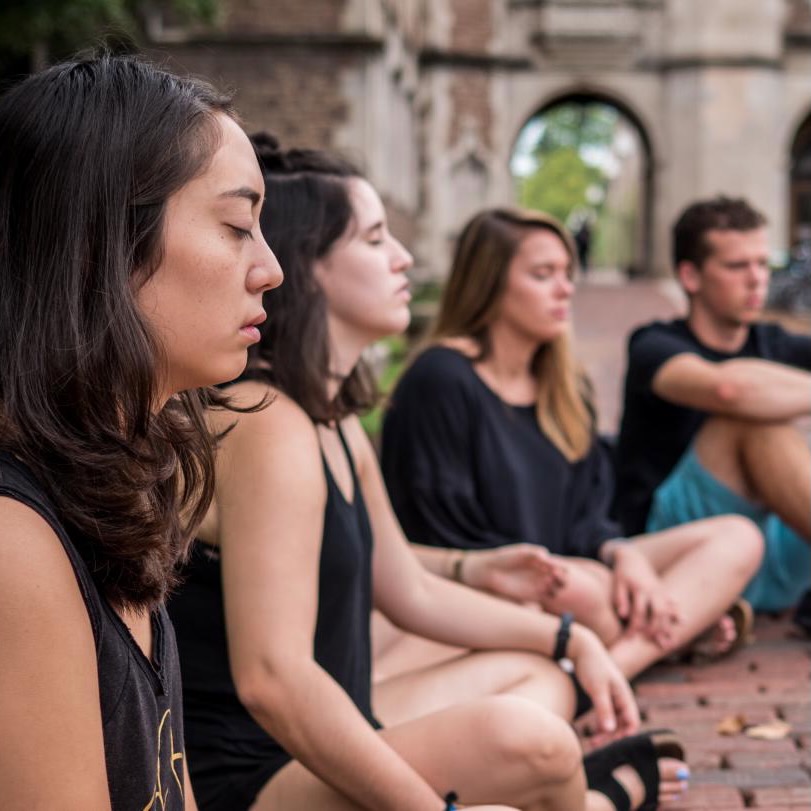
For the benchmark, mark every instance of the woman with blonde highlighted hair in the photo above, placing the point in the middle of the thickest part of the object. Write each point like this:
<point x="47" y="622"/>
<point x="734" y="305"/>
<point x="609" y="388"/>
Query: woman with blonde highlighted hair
<point x="490" y="440"/>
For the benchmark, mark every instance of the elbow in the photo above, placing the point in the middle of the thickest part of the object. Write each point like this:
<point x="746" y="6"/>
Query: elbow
<point x="261" y="690"/>
<point x="730" y="392"/>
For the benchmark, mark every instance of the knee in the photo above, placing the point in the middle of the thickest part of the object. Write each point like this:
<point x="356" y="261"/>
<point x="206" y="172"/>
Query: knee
<point x="520" y="732"/>
<point x="742" y="540"/>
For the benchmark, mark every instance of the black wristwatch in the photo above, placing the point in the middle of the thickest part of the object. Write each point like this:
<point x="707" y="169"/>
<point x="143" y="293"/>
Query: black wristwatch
<point x="562" y="642"/>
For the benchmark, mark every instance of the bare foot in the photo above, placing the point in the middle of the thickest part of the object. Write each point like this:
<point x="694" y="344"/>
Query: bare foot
<point x="717" y="641"/>
<point x="732" y="631"/>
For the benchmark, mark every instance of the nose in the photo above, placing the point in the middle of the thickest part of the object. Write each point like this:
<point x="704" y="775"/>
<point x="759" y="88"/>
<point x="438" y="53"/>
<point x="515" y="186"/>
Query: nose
<point x="759" y="274"/>
<point x="401" y="259"/>
<point x="266" y="272"/>
<point x="565" y="285"/>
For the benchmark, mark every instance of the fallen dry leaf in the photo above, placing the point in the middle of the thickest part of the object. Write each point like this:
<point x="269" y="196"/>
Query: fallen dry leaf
<point x="772" y="731"/>
<point x="731" y="725"/>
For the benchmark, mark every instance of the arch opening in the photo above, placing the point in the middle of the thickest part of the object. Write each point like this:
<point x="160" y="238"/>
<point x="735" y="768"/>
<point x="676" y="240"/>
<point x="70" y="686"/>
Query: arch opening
<point x="800" y="186"/>
<point x="587" y="160"/>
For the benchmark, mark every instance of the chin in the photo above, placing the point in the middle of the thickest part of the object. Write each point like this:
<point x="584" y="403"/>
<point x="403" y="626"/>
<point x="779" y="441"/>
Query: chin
<point x="748" y="317"/>
<point x="398" y="324"/>
<point x="227" y="371"/>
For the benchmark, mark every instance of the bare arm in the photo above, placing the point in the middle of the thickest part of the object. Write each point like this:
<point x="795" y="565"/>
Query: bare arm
<point x="191" y="803"/>
<point x="744" y="387"/>
<point x="519" y="572"/>
<point x="52" y="748"/>
<point x="271" y="494"/>
<point x="418" y="601"/>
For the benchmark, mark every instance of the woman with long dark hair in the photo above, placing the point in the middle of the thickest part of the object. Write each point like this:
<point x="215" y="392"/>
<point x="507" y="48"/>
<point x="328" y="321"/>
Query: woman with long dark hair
<point x="489" y="440"/>
<point x="132" y="270"/>
<point x="273" y="621"/>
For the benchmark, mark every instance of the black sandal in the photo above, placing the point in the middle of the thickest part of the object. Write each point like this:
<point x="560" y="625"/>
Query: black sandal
<point x="640" y="752"/>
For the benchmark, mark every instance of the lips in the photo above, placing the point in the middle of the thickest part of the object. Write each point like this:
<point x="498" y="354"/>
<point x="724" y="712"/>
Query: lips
<point x="250" y="330"/>
<point x="256" y="321"/>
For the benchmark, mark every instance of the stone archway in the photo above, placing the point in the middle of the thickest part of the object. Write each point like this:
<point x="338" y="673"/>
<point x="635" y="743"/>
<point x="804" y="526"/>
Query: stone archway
<point x="613" y="144"/>
<point x="800" y="185"/>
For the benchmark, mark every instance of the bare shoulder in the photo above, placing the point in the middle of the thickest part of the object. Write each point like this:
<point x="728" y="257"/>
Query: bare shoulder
<point x="280" y="418"/>
<point x="37" y="580"/>
<point x="48" y="670"/>
<point x="269" y="454"/>
<point x="33" y="562"/>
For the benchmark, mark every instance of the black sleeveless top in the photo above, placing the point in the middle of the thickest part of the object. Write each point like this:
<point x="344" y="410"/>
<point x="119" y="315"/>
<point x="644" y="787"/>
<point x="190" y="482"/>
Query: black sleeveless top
<point x="230" y="756"/>
<point x="141" y="705"/>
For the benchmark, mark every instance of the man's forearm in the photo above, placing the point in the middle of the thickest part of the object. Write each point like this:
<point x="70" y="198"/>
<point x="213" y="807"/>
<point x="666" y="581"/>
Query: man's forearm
<point x="763" y="390"/>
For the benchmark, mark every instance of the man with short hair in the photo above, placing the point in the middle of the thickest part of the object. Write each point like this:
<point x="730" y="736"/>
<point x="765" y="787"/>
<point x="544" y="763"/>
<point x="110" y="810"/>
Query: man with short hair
<point x="711" y="401"/>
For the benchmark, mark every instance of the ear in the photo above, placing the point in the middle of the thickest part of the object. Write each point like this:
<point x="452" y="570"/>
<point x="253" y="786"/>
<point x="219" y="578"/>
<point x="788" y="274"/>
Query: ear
<point x="689" y="276"/>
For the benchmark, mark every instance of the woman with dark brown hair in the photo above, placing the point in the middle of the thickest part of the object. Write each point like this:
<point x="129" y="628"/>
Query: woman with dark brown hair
<point x="132" y="270"/>
<point x="273" y="621"/>
<point x="490" y="440"/>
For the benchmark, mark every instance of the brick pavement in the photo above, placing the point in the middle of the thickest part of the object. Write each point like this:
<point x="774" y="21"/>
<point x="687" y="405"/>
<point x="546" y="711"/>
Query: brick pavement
<point x="768" y="680"/>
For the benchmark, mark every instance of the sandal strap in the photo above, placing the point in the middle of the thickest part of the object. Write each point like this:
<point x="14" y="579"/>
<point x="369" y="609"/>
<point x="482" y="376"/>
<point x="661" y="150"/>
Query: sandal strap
<point x="641" y="753"/>
<point x="613" y="790"/>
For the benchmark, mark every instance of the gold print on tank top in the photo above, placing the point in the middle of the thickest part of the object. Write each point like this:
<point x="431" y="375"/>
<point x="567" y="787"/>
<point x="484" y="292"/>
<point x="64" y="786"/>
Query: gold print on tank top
<point x="161" y="793"/>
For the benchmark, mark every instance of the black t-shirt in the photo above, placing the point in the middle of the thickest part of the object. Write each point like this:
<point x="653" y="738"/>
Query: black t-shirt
<point x="230" y="756"/>
<point x="465" y="469"/>
<point x="655" y="433"/>
<point x="141" y="703"/>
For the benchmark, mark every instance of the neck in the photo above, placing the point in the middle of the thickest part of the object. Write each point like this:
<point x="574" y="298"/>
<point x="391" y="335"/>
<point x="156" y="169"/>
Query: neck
<point x="510" y="356"/>
<point x="345" y="349"/>
<point x="722" y="336"/>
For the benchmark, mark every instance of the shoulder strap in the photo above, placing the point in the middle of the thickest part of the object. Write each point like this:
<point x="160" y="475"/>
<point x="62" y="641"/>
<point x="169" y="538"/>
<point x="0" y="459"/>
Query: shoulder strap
<point x="348" y="452"/>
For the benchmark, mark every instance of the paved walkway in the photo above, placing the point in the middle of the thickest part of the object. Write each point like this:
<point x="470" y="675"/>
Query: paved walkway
<point x="606" y="309"/>
<point x="769" y="680"/>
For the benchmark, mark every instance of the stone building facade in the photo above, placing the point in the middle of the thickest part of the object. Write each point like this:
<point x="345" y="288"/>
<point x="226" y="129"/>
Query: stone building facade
<point x="430" y="95"/>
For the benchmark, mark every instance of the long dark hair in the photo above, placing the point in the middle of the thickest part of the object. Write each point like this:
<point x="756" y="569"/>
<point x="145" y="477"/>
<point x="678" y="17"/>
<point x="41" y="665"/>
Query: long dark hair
<point x="307" y="209"/>
<point x="90" y="152"/>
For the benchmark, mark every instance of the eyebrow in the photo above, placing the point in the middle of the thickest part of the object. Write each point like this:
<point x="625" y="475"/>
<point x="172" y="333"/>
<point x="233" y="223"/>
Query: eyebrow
<point x="373" y="227"/>
<point x="243" y="192"/>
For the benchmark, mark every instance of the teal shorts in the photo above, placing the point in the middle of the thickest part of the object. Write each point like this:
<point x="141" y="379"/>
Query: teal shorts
<point x="691" y="493"/>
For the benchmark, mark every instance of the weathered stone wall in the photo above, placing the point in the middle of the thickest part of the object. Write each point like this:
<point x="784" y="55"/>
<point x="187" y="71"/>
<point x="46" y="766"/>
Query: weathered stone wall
<point x="430" y="95"/>
<point x="292" y="92"/>
<point x="309" y="17"/>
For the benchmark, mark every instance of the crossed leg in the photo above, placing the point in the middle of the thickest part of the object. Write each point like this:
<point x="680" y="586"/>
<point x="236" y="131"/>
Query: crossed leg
<point x="688" y="559"/>
<point x="500" y="749"/>
<point x="471" y="675"/>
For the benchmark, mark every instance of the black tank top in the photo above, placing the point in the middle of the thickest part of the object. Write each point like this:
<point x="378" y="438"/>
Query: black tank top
<point x="141" y="704"/>
<point x="230" y="756"/>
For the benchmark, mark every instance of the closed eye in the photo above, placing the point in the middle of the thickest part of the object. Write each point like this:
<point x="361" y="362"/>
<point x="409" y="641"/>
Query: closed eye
<point x="242" y="233"/>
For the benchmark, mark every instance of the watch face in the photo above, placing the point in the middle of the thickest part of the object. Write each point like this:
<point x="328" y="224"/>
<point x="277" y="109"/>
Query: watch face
<point x="566" y="665"/>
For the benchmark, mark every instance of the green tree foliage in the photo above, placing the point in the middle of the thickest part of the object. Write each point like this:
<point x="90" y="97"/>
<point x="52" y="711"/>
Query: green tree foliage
<point x="578" y="125"/>
<point x="570" y="136"/>
<point x="43" y="28"/>
<point x="559" y="185"/>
